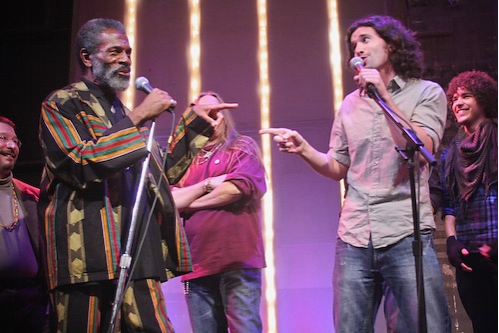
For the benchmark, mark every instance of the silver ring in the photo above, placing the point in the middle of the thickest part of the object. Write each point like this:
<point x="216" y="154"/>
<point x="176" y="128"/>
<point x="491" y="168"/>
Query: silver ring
<point x="173" y="103"/>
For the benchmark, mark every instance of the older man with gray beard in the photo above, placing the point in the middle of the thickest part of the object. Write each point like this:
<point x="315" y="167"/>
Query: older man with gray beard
<point x="93" y="146"/>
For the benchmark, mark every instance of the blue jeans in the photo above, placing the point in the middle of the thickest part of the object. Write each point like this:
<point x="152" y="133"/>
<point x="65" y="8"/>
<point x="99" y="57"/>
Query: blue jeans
<point x="363" y="275"/>
<point x="226" y="300"/>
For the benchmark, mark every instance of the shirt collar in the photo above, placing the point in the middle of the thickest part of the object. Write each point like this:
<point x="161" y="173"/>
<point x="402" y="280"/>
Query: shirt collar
<point x="396" y="84"/>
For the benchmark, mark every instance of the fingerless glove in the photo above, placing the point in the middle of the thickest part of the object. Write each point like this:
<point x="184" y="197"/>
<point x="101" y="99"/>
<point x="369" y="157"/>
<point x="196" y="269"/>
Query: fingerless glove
<point x="454" y="247"/>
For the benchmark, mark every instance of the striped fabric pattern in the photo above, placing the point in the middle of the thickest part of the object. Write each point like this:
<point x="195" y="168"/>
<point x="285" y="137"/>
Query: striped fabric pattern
<point x="84" y="155"/>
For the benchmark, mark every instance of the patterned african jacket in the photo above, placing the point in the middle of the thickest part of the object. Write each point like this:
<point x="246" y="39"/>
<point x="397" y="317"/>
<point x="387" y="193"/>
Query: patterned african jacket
<point x="85" y="158"/>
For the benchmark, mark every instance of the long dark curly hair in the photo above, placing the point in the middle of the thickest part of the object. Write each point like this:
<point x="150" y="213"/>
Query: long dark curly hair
<point x="406" y="56"/>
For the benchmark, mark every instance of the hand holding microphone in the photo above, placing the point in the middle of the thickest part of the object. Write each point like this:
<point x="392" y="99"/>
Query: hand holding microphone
<point x="357" y="64"/>
<point x="142" y="84"/>
<point x="156" y="102"/>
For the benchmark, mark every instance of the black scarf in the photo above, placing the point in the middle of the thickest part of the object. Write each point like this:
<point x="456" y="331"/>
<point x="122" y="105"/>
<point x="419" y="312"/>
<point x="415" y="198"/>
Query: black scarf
<point x="472" y="160"/>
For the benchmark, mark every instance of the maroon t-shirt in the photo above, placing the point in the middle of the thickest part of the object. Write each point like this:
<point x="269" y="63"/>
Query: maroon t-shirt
<point x="228" y="237"/>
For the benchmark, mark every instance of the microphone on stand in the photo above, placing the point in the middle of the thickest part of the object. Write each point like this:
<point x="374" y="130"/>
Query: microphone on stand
<point x="142" y="84"/>
<point x="356" y="63"/>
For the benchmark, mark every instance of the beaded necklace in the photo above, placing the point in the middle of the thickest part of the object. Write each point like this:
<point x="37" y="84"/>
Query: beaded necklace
<point x="15" y="213"/>
<point x="204" y="155"/>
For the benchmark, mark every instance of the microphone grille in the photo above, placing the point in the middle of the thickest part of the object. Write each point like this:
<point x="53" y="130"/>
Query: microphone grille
<point x="141" y="82"/>
<point x="356" y="61"/>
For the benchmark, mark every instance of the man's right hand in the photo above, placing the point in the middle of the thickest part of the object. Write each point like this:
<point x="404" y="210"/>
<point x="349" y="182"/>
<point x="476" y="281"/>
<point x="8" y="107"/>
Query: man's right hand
<point x="155" y="103"/>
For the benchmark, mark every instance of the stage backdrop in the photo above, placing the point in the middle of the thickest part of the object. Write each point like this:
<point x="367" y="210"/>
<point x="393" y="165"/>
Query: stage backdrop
<point x="305" y="205"/>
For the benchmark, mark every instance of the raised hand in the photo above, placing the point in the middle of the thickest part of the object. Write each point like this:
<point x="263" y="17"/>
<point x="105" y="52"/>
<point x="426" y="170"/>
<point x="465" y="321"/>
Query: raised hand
<point x="209" y="112"/>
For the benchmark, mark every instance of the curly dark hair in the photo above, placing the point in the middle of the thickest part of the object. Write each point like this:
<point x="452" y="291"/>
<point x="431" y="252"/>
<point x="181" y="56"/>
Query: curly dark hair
<point x="481" y="85"/>
<point x="406" y="56"/>
<point x="88" y="37"/>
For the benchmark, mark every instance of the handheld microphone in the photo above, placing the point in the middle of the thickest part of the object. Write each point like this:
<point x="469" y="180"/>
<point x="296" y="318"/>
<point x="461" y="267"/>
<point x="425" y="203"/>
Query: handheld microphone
<point x="356" y="63"/>
<point x="142" y="84"/>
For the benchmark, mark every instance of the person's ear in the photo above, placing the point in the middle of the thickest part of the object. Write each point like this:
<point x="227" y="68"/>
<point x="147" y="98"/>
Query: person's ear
<point x="85" y="57"/>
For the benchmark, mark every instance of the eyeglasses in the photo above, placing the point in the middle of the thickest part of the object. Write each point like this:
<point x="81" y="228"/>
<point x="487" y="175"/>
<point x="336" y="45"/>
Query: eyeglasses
<point x="5" y="140"/>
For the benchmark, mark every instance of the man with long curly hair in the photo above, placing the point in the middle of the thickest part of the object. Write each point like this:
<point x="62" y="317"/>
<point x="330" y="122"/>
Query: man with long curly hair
<point x="374" y="252"/>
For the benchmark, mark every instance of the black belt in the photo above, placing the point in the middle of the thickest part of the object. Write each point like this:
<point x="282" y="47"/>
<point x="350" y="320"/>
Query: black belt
<point x="426" y="231"/>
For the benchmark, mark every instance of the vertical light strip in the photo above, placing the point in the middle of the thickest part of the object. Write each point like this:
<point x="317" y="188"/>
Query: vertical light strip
<point x="335" y="63"/>
<point x="268" y="213"/>
<point x="194" y="49"/>
<point x="130" y="24"/>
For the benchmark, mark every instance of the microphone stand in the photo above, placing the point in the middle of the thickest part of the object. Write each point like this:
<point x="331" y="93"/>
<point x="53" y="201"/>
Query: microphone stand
<point x="413" y="145"/>
<point x="126" y="258"/>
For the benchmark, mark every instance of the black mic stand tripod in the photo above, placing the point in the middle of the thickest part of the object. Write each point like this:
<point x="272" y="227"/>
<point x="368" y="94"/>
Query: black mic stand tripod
<point x="413" y="145"/>
<point x="126" y="258"/>
<point x="142" y="84"/>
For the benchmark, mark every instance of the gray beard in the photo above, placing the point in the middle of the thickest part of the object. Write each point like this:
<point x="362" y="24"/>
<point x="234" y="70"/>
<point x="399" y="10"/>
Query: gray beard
<point x="107" y="76"/>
